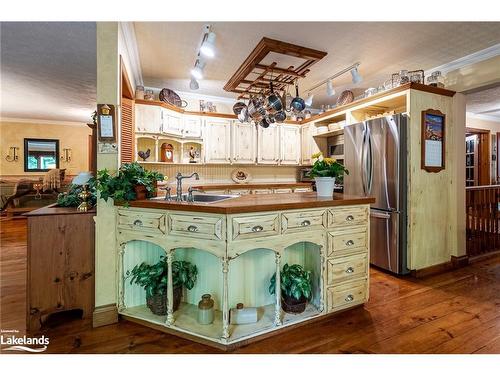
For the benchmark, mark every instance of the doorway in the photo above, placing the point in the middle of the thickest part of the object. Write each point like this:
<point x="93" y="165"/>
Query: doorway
<point x="477" y="157"/>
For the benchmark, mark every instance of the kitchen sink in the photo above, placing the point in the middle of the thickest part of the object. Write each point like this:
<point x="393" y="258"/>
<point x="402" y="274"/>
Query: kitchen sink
<point x="202" y="198"/>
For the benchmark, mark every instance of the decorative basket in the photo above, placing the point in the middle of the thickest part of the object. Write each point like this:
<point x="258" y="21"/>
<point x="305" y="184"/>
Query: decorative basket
<point x="293" y="306"/>
<point x="158" y="304"/>
<point x="171" y="97"/>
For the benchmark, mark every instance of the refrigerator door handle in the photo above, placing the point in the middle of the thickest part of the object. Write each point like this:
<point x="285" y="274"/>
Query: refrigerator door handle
<point x="363" y="161"/>
<point x="380" y="215"/>
<point x="369" y="162"/>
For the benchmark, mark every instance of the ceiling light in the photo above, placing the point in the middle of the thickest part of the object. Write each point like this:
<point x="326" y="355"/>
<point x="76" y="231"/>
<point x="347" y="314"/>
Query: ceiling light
<point x="356" y="77"/>
<point x="197" y="71"/>
<point x="330" y="91"/>
<point x="309" y="100"/>
<point x="208" y="46"/>
<point x="194" y="85"/>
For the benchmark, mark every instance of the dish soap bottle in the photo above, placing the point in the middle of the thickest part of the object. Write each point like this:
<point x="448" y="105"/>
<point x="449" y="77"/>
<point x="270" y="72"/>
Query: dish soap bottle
<point x="206" y="309"/>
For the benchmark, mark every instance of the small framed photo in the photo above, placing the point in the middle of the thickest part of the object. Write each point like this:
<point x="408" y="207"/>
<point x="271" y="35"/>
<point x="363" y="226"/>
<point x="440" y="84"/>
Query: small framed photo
<point x="106" y="123"/>
<point x="433" y="140"/>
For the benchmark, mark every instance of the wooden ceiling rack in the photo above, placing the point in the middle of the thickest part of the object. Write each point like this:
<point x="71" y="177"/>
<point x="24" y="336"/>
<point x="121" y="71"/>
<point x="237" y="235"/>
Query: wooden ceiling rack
<point x="242" y="82"/>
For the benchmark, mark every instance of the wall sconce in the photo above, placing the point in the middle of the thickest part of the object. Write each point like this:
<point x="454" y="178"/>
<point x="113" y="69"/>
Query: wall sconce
<point x="13" y="155"/>
<point x="66" y="156"/>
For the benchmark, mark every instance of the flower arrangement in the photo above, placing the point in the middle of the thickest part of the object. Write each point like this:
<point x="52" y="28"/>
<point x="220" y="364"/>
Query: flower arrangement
<point x="326" y="167"/>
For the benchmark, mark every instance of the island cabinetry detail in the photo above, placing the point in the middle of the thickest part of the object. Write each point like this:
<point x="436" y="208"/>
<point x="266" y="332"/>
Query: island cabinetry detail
<point x="236" y="255"/>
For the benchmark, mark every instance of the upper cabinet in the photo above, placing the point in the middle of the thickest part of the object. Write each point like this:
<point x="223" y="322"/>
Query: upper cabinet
<point x="148" y="118"/>
<point x="218" y="141"/>
<point x="171" y="122"/>
<point x="244" y="143"/>
<point x="290" y="144"/>
<point x="192" y="127"/>
<point x="268" y="145"/>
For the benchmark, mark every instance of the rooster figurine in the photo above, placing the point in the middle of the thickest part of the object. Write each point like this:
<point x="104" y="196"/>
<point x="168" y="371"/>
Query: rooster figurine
<point x="144" y="155"/>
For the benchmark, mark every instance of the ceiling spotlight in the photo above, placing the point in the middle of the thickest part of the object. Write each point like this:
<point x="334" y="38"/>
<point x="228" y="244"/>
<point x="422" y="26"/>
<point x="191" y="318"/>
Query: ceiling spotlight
<point x="356" y="77"/>
<point x="330" y="91"/>
<point x="309" y="99"/>
<point x="208" y="46"/>
<point x="197" y="71"/>
<point x="194" y="85"/>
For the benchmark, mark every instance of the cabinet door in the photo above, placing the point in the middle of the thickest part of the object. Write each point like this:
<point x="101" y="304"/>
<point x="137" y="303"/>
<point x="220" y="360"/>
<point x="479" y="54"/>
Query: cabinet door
<point x="218" y="141"/>
<point x="290" y="144"/>
<point x="268" y="145"/>
<point x="171" y="122"/>
<point x="309" y="145"/>
<point x="192" y="127"/>
<point x="244" y="143"/>
<point x="147" y="118"/>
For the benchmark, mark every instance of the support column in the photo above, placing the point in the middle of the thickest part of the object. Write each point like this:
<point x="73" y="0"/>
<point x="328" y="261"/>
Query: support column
<point x="322" y="278"/>
<point x="121" y="278"/>
<point x="277" y="291"/>
<point x="170" y="289"/>
<point x="225" y="299"/>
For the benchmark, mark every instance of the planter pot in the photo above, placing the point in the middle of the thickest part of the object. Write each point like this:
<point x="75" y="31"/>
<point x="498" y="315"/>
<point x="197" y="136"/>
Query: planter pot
<point x="158" y="304"/>
<point x="140" y="192"/>
<point x="324" y="186"/>
<point x="155" y="191"/>
<point x="292" y="305"/>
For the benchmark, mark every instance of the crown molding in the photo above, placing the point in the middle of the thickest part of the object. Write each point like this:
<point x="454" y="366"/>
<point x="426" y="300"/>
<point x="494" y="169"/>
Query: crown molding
<point x="473" y="58"/>
<point x="41" y="122"/>
<point x="483" y="117"/>
<point x="128" y="32"/>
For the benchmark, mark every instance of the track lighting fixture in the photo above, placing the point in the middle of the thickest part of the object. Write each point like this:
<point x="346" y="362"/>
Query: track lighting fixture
<point x="330" y="91"/>
<point x="197" y="71"/>
<point x="207" y="48"/>
<point x="309" y="99"/>
<point x="194" y="85"/>
<point x="356" y="77"/>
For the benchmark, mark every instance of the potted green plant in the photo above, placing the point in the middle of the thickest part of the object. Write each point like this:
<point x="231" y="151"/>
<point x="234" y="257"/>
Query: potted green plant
<point x="154" y="280"/>
<point x="131" y="182"/>
<point x="296" y="288"/>
<point x="324" y="171"/>
<point x="71" y="197"/>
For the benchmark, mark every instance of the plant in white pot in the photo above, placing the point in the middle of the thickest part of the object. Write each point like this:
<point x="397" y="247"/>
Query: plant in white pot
<point x="324" y="171"/>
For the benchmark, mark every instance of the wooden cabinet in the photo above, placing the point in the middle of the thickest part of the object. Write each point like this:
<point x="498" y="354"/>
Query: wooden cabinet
<point x="218" y="141"/>
<point x="244" y="143"/>
<point x="268" y="145"/>
<point x="148" y="118"/>
<point x="171" y="122"/>
<point x="310" y="145"/>
<point x="60" y="273"/>
<point x="290" y="144"/>
<point x="192" y="127"/>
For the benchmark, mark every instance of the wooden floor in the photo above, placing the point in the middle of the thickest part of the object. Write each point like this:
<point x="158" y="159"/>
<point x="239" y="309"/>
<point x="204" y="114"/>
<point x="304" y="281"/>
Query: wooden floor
<point x="455" y="312"/>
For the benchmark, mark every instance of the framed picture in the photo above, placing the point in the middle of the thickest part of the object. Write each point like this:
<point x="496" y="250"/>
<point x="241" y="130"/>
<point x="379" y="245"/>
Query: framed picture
<point x="433" y="140"/>
<point x="106" y="123"/>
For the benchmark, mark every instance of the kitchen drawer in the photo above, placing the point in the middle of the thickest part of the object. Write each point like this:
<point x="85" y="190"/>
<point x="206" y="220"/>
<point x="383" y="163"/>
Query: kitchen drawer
<point x="282" y="190"/>
<point x="304" y="220"/>
<point x="141" y="221"/>
<point x="261" y="191"/>
<point x="207" y="227"/>
<point x="345" y="242"/>
<point x="302" y="189"/>
<point x="346" y="295"/>
<point x="346" y="268"/>
<point x="340" y="217"/>
<point x="245" y="227"/>
<point x="239" y="191"/>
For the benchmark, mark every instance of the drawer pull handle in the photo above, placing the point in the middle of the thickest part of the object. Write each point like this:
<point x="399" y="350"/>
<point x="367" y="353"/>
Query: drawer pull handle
<point x="349" y="298"/>
<point x="349" y="218"/>
<point x="192" y="228"/>
<point x="257" y="228"/>
<point x="138" y="223"/>
<point x="350" y="243"/>
<point x="305" y="223"/>
<point x="349" y="270"/>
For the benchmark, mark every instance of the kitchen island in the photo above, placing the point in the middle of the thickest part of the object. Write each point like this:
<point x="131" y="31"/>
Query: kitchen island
<point x="237" y="245"/>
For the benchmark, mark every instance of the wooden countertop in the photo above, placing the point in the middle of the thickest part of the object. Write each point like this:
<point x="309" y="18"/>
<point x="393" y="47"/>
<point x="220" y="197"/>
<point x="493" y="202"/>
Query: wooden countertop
<point x="257" y="185"/>
<point x="257" y="203"/>
<point x="54" y="209"/>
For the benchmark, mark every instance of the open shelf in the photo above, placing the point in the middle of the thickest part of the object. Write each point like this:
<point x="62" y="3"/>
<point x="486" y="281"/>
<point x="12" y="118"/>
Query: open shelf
<point x="381" y="107"/>
<point x="329" y="134"/>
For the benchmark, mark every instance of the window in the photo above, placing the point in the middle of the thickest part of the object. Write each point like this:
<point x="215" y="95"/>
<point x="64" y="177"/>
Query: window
<point x="40" y="155"/>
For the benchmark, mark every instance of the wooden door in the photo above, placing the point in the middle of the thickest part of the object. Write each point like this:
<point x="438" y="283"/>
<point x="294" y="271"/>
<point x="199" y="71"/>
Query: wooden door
<point x="147" y="118"/>
<point x="244" y="143"/>
<point x="171" y="122"/>
<point x="290" y="144"/>
<point x="268" y="145"/>
<point x="477" y="147"/>
<point x="218" y="141"/>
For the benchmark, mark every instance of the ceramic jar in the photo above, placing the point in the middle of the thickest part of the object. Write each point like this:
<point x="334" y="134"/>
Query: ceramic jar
<point x="206" y="309"/>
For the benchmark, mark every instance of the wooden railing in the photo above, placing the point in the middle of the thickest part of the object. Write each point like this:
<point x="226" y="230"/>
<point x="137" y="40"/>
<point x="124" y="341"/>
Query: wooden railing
<point x="482" y="204"/>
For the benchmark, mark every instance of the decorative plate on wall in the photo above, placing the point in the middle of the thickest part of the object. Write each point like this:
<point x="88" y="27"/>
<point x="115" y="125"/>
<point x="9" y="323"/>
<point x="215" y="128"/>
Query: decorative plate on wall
<point x="241" y="176"/>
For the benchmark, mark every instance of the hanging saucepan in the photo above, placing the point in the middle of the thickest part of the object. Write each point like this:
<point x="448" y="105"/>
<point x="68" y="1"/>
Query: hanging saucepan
<point x="273" y="101"/>
<point x="270" y="119"/>
<point x="280" y="116"/>
<point x="243" y="115"/>
<point x="237" y="107"/>
<point x="254" y="107"/>
<point x="264" y="122"/>
<point x="298" y="104"/>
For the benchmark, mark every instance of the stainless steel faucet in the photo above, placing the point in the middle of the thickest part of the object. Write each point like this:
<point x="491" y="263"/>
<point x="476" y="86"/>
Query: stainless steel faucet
<point x="179" y="177"/>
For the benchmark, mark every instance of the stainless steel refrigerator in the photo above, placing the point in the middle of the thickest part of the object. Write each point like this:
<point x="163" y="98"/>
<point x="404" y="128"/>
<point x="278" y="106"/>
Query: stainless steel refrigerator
<point x="375" y="153"/>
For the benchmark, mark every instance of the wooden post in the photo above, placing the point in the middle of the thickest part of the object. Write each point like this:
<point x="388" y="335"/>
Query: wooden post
<point x="322" y="278"/>
<point x="156" y="149"/>
<point x="121" y="278"/>
<point x="225" y="299"/>
<point x="170" y="289"/>
<point x="277" y="308"/>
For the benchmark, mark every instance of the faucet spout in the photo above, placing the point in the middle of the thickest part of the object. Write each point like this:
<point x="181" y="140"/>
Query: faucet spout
<point x="179" y="177"/>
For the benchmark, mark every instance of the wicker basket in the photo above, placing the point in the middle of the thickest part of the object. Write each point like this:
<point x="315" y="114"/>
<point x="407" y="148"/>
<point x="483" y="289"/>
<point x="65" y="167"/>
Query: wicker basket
<point x="158" y="304"/>
<point x="292" y="305"/>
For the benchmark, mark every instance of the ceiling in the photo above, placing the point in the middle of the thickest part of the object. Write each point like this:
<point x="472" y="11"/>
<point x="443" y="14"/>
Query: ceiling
<point x="167" y="50"/>
<point x="485" y="103"/>
<point x="48" y="70"/>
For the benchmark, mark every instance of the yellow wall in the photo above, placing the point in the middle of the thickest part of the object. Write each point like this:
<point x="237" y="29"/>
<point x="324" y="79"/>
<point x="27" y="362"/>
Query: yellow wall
<point x="70" y="136"/>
